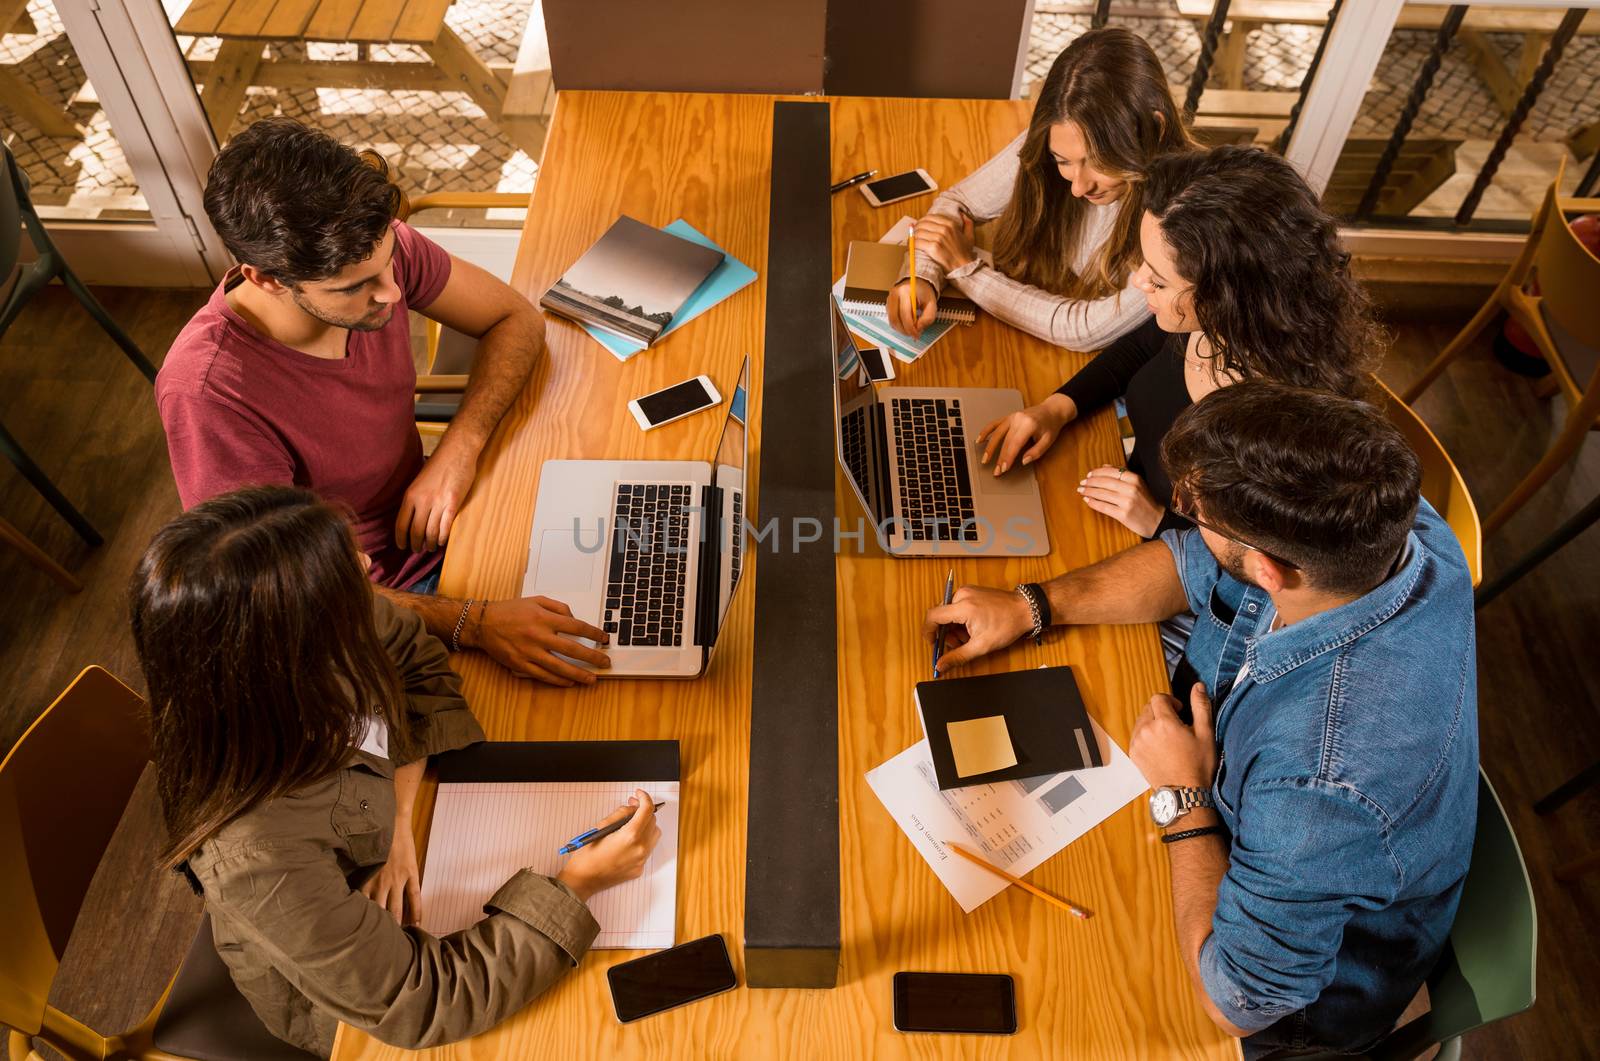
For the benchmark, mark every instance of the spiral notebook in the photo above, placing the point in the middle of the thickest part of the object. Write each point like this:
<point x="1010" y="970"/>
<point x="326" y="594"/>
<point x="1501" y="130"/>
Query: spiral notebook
<point x="870" y="273"/>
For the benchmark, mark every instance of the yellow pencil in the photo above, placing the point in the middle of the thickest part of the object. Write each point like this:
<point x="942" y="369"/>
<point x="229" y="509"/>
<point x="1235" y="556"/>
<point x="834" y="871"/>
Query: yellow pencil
<point x="911" y="247"/>
<point x="1070" y="907"/>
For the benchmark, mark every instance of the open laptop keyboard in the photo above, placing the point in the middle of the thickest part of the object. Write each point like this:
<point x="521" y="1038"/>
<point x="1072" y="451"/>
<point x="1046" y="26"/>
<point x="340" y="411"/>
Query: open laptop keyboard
<point x="736" y="553"/>
<point x="649" y="569"/>
<point x="935" y="482"/>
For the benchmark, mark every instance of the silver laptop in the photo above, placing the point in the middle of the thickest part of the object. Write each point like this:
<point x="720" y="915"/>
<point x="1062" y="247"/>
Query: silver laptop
<point x="649" y="551"/>
<point x="912" y="457"/>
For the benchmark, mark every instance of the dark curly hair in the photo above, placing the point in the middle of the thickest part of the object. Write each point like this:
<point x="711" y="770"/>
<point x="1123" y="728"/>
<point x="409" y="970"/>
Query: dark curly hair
<point x="1273" y="292"/>
<point x="1318" y="479"/>
<point x="297" y="204"/>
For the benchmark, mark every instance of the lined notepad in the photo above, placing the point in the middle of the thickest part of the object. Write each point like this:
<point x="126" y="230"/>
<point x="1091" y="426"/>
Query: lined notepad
<point x="484" y="832"/>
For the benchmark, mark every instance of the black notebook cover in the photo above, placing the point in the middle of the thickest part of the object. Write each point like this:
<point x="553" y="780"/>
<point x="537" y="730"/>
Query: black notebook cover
<point x="561" y="760"/>
<point x="1045" y="716"/>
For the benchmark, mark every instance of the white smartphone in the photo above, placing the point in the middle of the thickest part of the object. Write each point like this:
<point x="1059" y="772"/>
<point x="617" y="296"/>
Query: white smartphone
<point x="674" y="402"/>
<point x="900" y="186"/>
<point x="877" y="365"/>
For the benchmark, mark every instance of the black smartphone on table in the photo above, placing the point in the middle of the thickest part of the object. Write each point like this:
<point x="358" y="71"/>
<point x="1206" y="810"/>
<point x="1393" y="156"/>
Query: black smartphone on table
<point x="661" y="981"/>
<point x="877" y="363"/>
<point x="972" y="1003"/>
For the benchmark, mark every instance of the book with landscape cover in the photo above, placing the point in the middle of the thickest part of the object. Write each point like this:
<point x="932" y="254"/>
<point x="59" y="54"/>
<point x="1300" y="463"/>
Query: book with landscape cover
<point x="631" y="281"/>
<point x="871" y="272"/>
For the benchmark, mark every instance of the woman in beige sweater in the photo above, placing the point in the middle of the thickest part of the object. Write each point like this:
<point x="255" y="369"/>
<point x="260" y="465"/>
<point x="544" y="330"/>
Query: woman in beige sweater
<point x="1067" y="193"/>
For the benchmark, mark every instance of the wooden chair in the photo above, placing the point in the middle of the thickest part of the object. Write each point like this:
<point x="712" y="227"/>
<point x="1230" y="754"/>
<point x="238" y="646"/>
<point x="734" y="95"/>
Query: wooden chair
<point x="1568" y="274"/>
<point x="64" y="788"/>
<point x="450" y="354"/>
<point x="10" y="535"/>
<point x="1442" y="483"/>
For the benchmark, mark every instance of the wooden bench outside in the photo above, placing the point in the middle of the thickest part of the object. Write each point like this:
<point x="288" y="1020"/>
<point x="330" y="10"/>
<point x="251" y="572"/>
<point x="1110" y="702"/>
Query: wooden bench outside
<point x="1534" y="24"/>
<point x="1419" y="169"/>
<point x="246" y="26"/>
<point x="22" y="98"/>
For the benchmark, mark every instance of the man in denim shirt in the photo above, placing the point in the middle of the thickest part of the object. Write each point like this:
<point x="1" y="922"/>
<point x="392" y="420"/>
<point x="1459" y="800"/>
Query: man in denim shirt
<point x="1320" y="817"/>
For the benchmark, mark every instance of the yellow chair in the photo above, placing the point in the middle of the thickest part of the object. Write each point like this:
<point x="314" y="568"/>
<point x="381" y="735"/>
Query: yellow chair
<point x="439" y="389"/>
<point x="63" y="789"/>
<point x="1569" y="282"/>
<point x="1442" y="484"/>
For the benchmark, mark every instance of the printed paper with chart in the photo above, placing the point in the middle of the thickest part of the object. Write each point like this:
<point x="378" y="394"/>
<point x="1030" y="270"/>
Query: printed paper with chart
<point x="484" y="832"/>
<point x="1017" y="825"/>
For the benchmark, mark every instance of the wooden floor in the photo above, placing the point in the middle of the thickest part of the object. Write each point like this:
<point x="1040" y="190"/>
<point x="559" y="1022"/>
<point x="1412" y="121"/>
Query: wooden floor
<point x="87" y="416"/>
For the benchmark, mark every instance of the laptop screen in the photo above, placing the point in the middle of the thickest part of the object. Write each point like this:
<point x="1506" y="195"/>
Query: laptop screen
<point x="728" y="483"/>
<point x="863" y="452"/>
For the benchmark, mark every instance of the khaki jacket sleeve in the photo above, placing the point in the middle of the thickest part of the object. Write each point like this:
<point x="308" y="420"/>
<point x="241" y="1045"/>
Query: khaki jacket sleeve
<point x="400" y="985"/>
<point x="441" y="720"/>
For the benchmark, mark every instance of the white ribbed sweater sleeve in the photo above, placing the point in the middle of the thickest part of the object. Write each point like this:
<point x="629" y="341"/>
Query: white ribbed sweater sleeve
<point x="1076" y="324"/>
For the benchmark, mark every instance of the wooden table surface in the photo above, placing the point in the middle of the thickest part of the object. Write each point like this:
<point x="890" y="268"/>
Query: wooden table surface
<point x="1111" y="987"/>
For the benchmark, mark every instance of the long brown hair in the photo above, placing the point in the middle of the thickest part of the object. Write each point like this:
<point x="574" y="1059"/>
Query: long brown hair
<point x="1273" y="293"/>
<point x="253" y="621"/>
<point x="1110" y="84"/>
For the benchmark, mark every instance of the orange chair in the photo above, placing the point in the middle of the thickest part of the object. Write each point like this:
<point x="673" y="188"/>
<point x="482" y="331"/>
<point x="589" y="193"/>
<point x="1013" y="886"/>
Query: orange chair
<point x="1442" y="483"/>
<point x="1563" y="316"/>
<point x="63" y="789"/>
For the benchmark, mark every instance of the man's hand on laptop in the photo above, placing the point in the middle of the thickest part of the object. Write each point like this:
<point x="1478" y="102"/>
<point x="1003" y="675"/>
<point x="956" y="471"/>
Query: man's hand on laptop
<point x="978" y="620"/>
<point x="434" y="498"/>
<point x="525" y="633"/>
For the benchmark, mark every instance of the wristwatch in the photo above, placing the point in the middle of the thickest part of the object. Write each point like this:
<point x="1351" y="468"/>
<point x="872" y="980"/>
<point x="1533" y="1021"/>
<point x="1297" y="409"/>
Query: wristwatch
<point x="1169" y="803"/>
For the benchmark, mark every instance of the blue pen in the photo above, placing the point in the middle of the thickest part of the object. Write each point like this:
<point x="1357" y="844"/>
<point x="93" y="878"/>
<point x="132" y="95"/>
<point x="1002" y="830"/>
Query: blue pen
<point x="938" y="641"/>
<point x="597" y="833"/>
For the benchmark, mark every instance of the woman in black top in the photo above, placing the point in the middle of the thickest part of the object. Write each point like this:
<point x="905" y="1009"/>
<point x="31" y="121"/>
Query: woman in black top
<point x="1246" y="277"/>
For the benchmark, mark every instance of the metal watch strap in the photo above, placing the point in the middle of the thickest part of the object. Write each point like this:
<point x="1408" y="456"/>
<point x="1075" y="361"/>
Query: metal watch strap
<point x="1190" y="798"/>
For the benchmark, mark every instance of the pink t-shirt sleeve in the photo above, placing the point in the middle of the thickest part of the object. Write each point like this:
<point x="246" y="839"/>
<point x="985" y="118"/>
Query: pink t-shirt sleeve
<point x="215" y="449"/>
<point x="421" y="266"/>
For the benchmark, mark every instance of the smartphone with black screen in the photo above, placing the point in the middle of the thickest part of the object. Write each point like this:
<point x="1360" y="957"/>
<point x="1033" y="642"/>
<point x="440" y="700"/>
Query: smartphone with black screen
<point x="886" y="190"/>
<point x="877" y="363"/>
<point x="674" y="402"/>
<point x="973" y="1003"/>
<point x="661" y="981"/>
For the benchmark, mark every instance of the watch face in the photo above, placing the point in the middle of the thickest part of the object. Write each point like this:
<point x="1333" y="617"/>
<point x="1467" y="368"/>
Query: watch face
<point x="1163" y="805"/>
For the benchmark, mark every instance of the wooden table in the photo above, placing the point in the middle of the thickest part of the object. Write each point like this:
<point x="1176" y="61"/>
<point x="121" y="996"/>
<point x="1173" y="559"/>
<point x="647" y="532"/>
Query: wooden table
<point x="246" y="26"/>
<point x="1112" y="987"/>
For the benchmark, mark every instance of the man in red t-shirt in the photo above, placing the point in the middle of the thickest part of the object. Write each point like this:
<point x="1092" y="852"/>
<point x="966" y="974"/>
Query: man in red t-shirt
<point x="299" y="370"/>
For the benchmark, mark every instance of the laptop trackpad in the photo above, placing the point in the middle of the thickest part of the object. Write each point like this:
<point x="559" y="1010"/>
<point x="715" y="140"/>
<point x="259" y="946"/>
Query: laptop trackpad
<point x="563" y="567"/>
<point x="1018" y="481"/>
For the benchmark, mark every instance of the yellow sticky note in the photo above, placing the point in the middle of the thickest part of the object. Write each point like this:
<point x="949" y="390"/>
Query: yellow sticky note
<point x="981" y="745"/>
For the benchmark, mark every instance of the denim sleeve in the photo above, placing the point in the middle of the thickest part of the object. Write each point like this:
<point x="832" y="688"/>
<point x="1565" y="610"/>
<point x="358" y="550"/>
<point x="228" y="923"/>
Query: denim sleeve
<point x="1197" y="568"/>
<point x="1306" y="855"/>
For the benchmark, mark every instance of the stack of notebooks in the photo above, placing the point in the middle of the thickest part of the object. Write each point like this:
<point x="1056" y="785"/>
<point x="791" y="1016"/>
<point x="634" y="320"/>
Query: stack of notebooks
<point x="637" y="284"/>
<point x="870" y="274"/>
